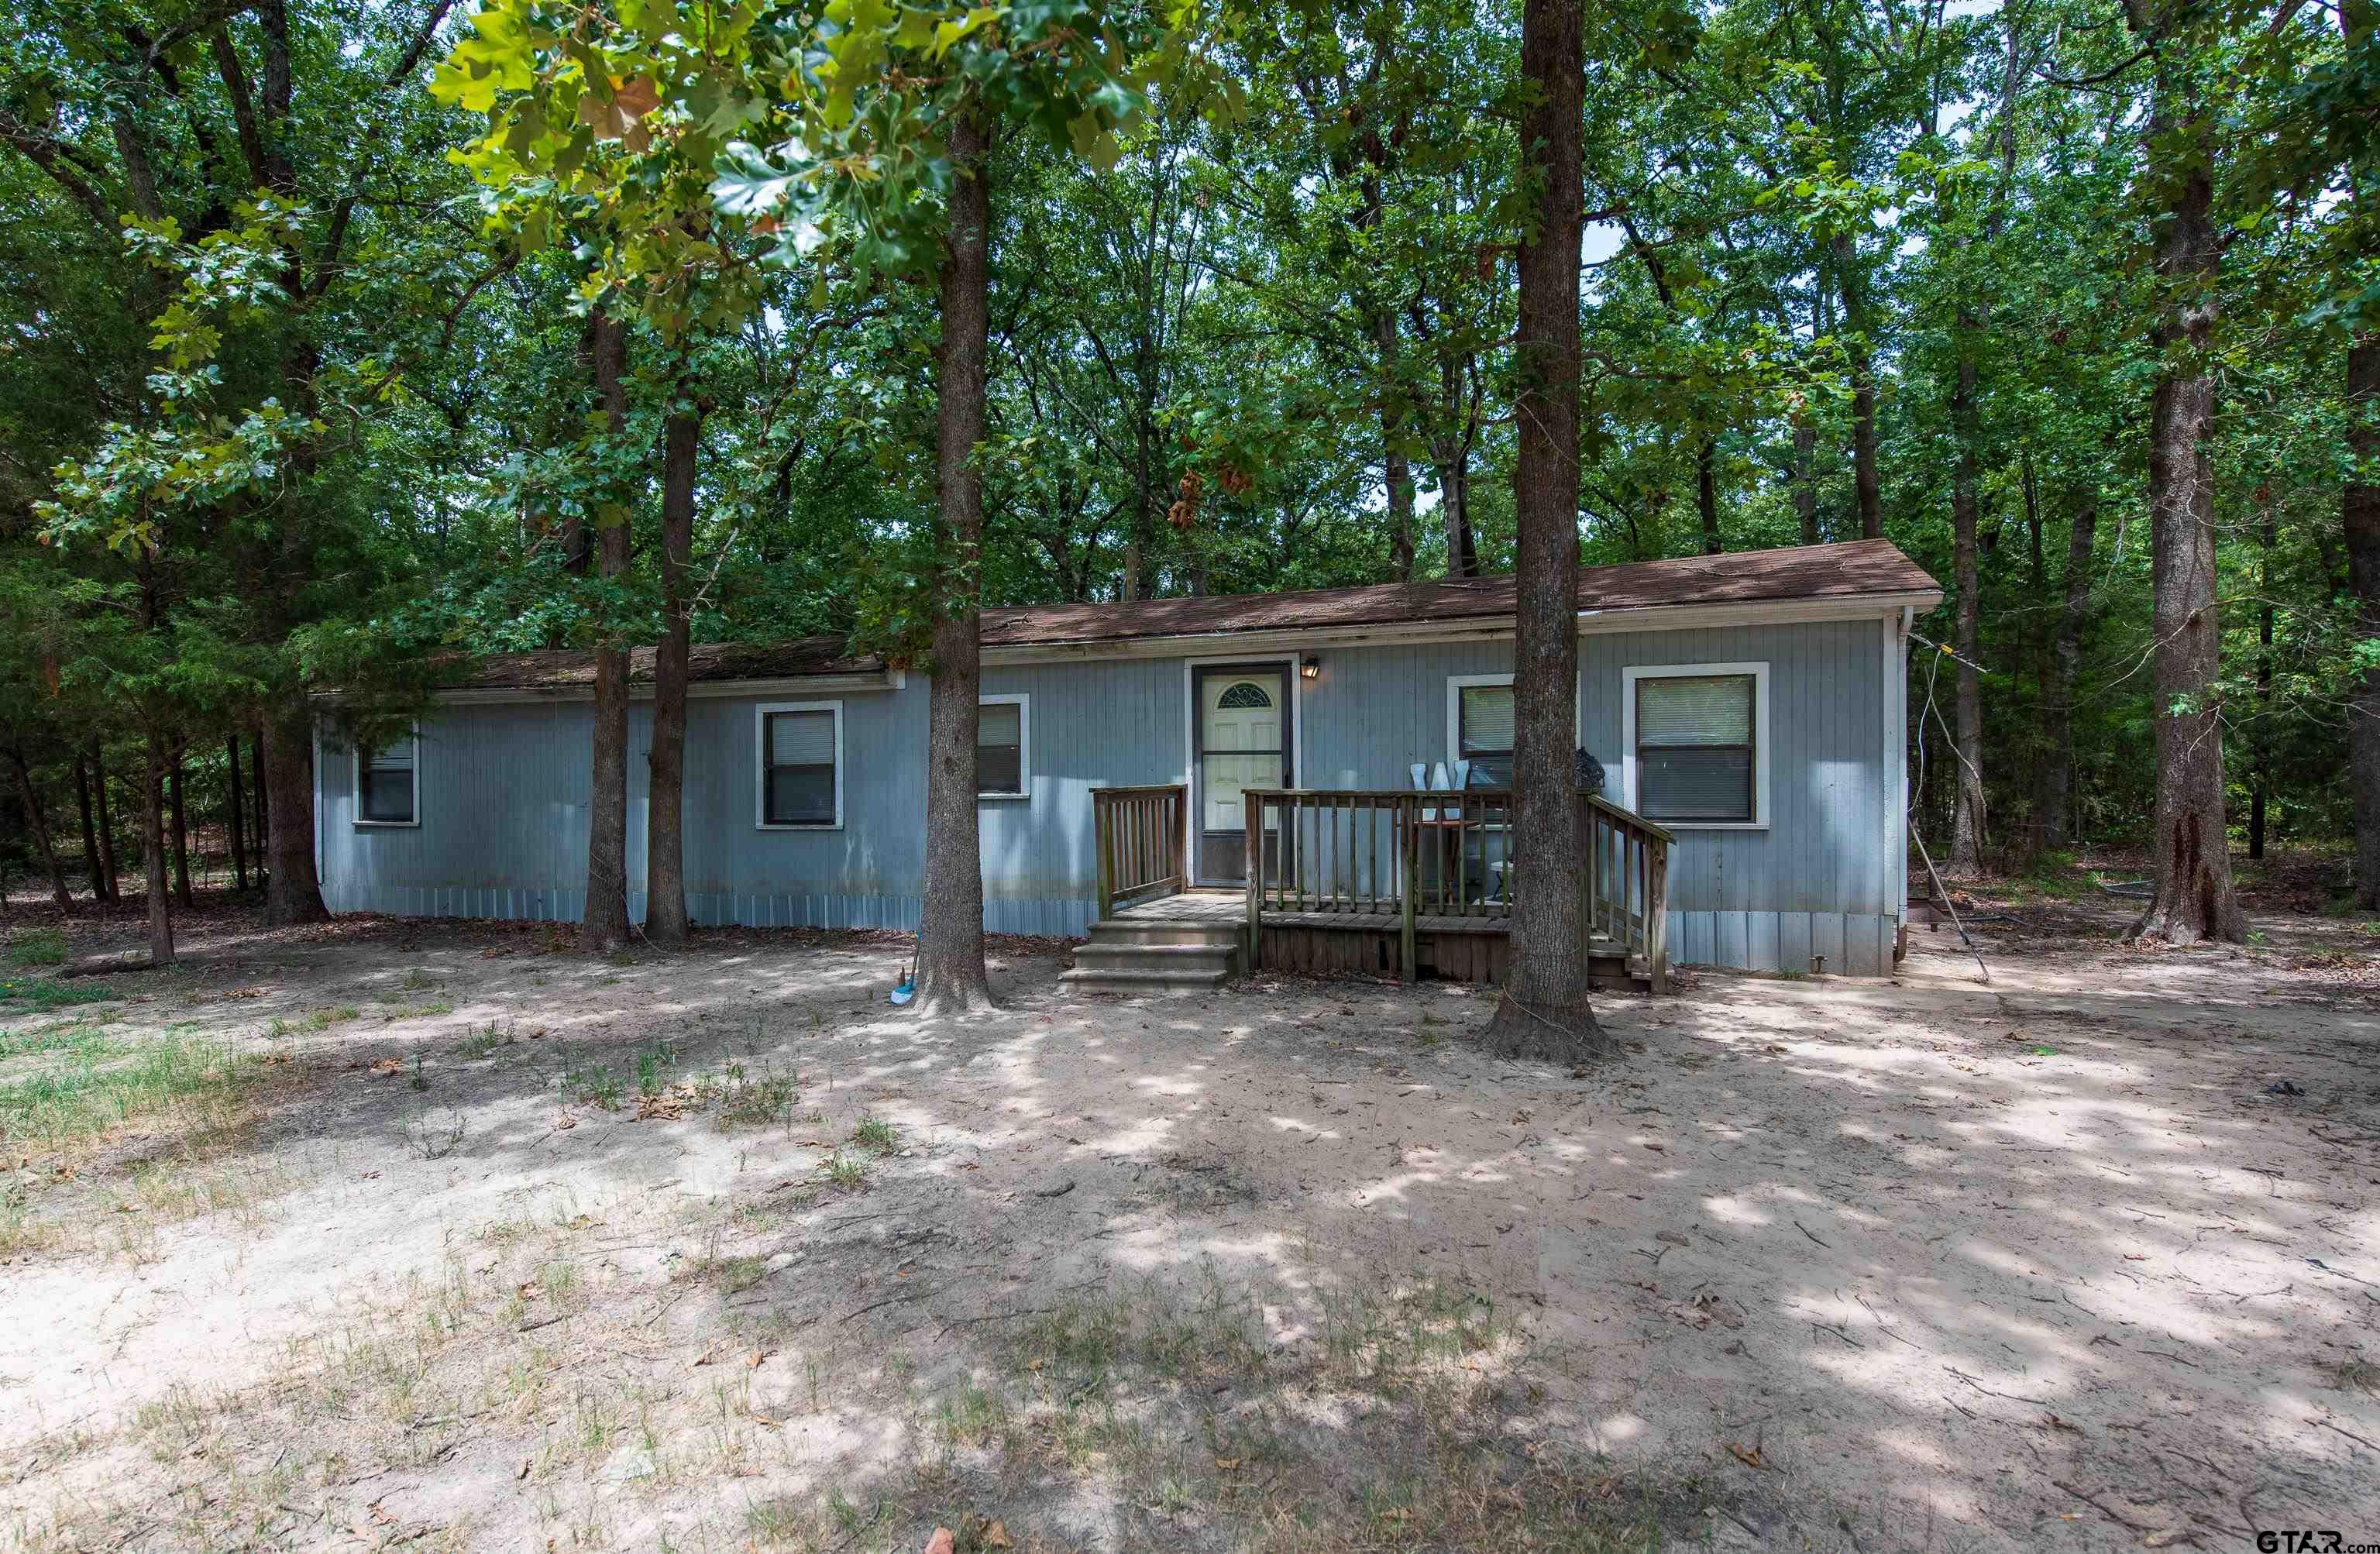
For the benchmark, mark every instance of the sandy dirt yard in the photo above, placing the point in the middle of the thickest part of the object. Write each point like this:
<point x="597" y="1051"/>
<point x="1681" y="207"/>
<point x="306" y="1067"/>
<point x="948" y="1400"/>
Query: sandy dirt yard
<point x="437" y="1236"/>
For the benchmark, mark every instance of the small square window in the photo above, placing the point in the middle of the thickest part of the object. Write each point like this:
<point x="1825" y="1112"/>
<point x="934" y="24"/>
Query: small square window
<point x="801" y="764"/>
<point x="1484" y="733"/>
<point x="1697" y="745"/>
<point x="1001" y="769"/>
<point x="387" y="785"/>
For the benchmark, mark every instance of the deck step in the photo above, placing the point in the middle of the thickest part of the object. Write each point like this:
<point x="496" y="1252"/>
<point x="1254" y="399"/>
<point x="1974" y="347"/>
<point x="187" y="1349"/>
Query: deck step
<point x="1146" y="930"/>
<point x="1159" y="982"/>
<point x="1156" y="957"/>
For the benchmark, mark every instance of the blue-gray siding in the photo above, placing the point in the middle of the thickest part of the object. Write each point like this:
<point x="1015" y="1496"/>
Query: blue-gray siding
<point x="504" y="795"/>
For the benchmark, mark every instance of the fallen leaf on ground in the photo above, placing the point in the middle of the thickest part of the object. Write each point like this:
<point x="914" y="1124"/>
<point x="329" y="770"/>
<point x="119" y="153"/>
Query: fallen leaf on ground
<point x="995" y="1535"/>
<point x="1751" y="1459"/>
<point x="383" y="1067"/>
<point x="1228" y="1464"/>
<point x="943" y="1542"/>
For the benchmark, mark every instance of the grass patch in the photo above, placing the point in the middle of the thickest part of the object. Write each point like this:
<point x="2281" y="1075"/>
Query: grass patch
<point x="105" y="1085"/>
<point x="323" y="1019"/>
<point x="594" y="1084"/>
<point x="38" y="947"/>
<point x="876" y="1134"/>
<point x="844" y="1171"/>
<point x="745" y="1101"/>
<point x="482" y="1042"/>
<point x="41" y="995"/>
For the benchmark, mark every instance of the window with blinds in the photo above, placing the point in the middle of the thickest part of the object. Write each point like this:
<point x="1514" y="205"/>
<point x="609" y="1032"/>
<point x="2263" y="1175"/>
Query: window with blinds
<point x="386" y="793"/>
<point x="1697" y="748"/>
<point x="798" y="751"/>
<point x="999" y="748"/>
<point x="1484" y="733"/>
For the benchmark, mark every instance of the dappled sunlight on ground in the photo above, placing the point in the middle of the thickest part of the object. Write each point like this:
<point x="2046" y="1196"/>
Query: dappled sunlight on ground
<point x="709" y="1246"/>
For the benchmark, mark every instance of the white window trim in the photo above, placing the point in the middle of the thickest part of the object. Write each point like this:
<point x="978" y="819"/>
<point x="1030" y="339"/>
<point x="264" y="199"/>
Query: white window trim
<point x="761" y="820"/>
<point x="356" y="785"/>
<point x="1022" y="702"/>
<point x="1455" y="684"/>
<point x="1762" y="735"/>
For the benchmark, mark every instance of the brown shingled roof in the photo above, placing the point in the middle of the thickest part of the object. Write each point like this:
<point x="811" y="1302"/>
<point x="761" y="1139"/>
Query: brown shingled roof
<point x="569" y="669"/>
<point x="1850" y="570"/>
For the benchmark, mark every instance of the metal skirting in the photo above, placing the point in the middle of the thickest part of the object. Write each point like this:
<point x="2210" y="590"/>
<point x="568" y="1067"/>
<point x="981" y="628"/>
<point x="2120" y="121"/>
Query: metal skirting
<point x="1058" y="918"/>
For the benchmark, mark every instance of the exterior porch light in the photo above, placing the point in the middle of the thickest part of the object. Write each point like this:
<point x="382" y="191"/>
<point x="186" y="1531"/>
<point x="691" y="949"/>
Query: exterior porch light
<point x="1309" y="667"/>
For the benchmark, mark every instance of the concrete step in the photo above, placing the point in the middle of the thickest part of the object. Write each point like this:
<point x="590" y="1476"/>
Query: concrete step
<point x="1157" y="957"/>
<point x="1130" y="930"/>
<point x="1163" y="982"/>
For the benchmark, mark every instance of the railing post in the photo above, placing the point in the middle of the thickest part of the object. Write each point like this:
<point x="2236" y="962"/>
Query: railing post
<point x="1102" y="824"/>
<point x="1408" y="813"/>
<point x="1255" y="801"/>
<point x="1178" y="846"/>
<point x="1657" y="915"/>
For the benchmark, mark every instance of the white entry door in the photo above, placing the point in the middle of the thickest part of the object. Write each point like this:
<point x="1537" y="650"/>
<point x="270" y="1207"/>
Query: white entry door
<point x="1243" y="742"/>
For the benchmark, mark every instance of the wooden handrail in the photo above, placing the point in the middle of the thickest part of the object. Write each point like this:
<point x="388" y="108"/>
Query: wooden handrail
<point x="1137" y="836"/>
<point x="1364" y="852"/>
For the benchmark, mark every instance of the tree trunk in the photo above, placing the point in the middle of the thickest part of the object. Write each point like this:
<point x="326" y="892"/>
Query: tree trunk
<point x="665" y="914"/>
<point x="950" y="976"/>
<point x="2261" y="776"/>
<point x="2055" y="800"/>
<point x="100" y="884"/>
<point x="605" y="925"/>
<point x="1806" y="480"/>
<point x="2359" y="507"/>
<point x="181" y="827"/>
<point x="1967" y="812"/>
<point x="1396" y="467"/>
<point x="1706" y="495"/>
<point x="152" y="851"/>
<point x="108" y="820"/>
<point x="38" y="823"/>
<point x="291" y="892"/>
<point x="1860" y="347"/>
<point x="234" y="816"/>
<point x="262" y="828"/>
<point x="2193" y="897"/>
<point x="1544" y="1013"/>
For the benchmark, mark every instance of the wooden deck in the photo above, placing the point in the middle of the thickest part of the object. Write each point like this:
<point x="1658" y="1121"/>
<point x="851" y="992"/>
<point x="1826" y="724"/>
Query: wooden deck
<point x="1230" y="907"/>
<point x="1473" y="948"/>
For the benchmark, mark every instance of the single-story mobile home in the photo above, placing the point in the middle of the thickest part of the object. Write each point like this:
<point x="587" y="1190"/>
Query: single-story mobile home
<point x="1748" y="712"/>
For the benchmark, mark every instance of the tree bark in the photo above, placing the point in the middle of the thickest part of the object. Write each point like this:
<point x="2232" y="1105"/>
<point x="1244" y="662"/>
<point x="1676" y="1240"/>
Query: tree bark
<point x="2055" y="803"/>
<point x="1864" y="483"/>
<point x="2193" y="898"/>
<point x="291" y="892"/>
<point x="181" y="827"/>
<point x="38" y="823"/>
<point x="2261" y="773"/>
<point x="665" y="914"/>
<point x="1967" y="811"/>
<point x="604" y="925"/>
<point x="107" y="820"/>
<point x="951" y="975"/>
<point x="152" y="851"/>
<point x="2360" y="514"/>
<point x="1545" y="1012"/>
<point x="1806" y="480"/>
<point x="1706" y="495"/>
<point x="99" y="881"/>
<point x="235" y="815"/>
<point x="262" y="832"/>
<point x="1396" y="467"/>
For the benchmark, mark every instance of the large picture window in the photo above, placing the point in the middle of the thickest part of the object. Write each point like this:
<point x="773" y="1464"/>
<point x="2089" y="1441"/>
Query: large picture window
<point x="1002" y="738"/>
<point x="1697" y="737"/>
<point x="801" y="765"/>
<point x="388" y="784"/>
<point x="1482" y="715"/>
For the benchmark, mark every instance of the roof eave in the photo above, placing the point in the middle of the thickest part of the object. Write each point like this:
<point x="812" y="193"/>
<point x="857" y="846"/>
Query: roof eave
<point x="1480" y="628"/>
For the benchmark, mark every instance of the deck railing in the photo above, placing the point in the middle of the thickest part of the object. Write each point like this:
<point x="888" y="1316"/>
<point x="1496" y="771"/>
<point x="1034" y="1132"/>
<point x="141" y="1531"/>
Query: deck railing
<point x="1442" y="862"/>
<point x="1138" y="835"/>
